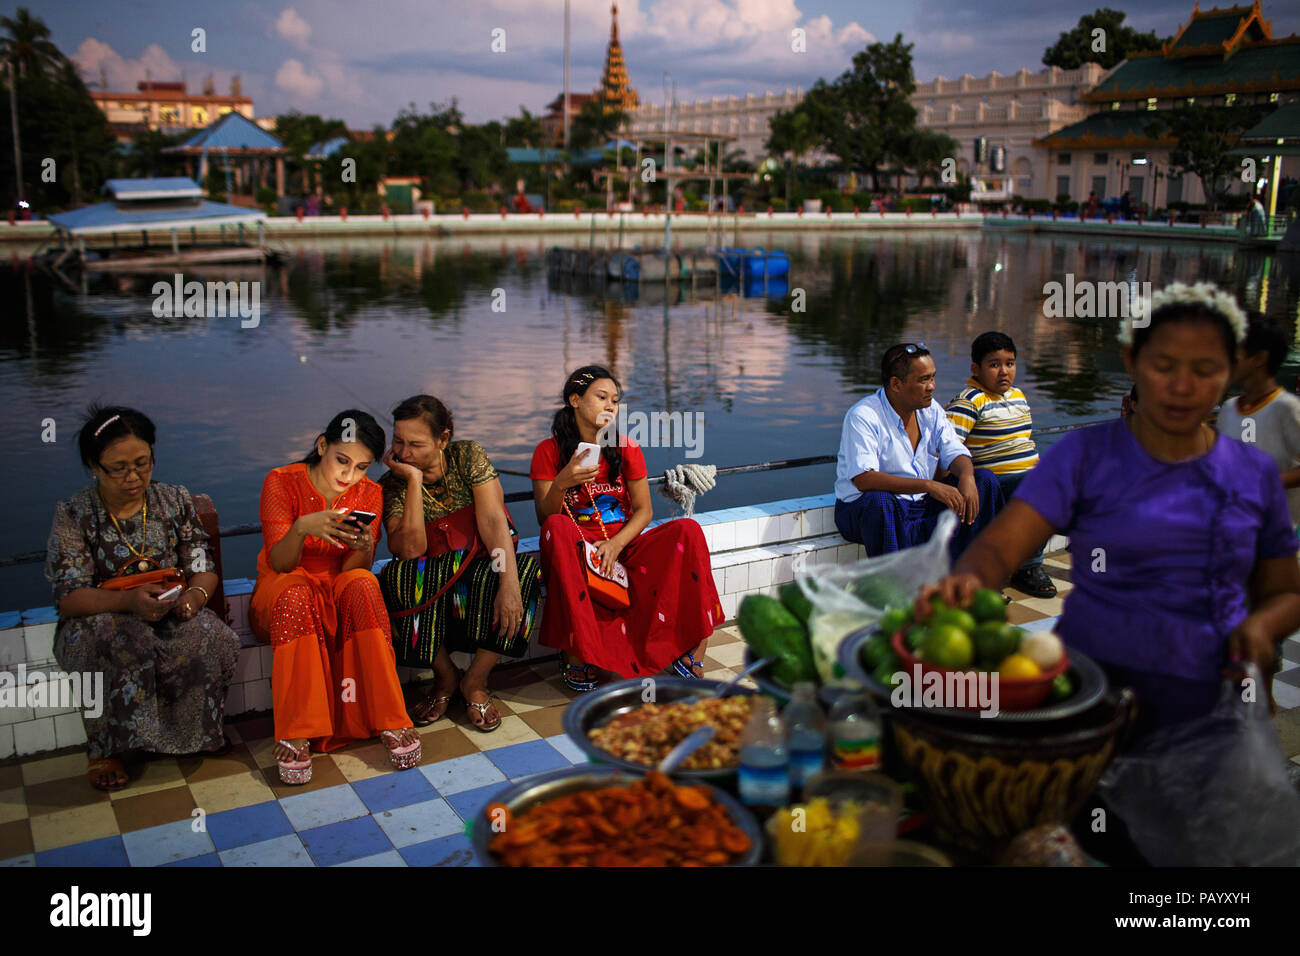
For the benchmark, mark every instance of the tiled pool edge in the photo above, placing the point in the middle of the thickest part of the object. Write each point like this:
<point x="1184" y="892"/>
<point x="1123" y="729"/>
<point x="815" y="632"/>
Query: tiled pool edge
<point x="752" y="550"/>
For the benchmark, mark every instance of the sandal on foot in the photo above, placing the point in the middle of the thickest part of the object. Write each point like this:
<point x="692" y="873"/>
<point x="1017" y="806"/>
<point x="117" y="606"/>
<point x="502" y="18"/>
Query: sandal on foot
<point x="581" y="685"/>
<point x="684" y="670"/>
<point x="403" y="757"/>
<point x="485" y="727"/>
<point x="297" y="771"/>
<point x="420" y="714"/>
<point x="110" y="768"/>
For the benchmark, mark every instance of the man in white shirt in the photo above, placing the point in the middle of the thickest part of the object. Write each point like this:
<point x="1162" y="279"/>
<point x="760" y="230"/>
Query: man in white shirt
<point x="886" y="494"/>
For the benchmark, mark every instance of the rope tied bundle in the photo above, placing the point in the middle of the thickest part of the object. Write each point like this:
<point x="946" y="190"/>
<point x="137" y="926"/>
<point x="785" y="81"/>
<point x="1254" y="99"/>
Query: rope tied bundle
<point x="683" y="482"/>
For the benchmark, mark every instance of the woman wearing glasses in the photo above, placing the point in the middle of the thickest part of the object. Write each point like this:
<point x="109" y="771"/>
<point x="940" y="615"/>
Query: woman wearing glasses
<point x="166" y="661"/>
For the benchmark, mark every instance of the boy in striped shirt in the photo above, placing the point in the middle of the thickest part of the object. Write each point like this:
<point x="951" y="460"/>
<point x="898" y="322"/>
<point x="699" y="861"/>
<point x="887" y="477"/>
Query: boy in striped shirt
<point x="991" y="416"/>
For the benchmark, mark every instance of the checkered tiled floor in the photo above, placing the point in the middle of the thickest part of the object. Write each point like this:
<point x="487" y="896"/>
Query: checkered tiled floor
<point x="356" y="811"/>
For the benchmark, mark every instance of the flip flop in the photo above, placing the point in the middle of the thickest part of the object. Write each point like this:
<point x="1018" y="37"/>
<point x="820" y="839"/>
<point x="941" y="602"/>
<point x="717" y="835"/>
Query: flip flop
<point x="104" y="766"/>
<point x="403" y="757"/>
<point x="485" y="727"/>
<point x="684" y="670"/>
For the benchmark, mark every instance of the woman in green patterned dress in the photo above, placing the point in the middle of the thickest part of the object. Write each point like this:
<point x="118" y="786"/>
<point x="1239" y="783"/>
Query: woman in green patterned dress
<point x="489" y="605"/>
<point x="167" y="664"/>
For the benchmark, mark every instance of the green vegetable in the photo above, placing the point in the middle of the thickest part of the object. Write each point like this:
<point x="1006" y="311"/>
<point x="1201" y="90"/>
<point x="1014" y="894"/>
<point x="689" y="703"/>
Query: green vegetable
<point x="773" y="632"/>
<point x="796" y="602"/>
<point x="875" y="650"/>
<point x="895" y="619"/>
<point x="878" y="591"/>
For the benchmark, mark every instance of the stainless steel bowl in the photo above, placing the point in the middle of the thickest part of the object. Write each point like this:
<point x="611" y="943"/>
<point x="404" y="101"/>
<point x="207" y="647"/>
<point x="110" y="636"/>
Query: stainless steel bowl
<point x="557" y="783"/>
<point x="598" y="707"/>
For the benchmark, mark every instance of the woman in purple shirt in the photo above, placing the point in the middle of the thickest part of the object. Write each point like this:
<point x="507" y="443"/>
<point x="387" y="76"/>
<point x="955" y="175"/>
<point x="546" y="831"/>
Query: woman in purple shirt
<point x="1184" y="558"/>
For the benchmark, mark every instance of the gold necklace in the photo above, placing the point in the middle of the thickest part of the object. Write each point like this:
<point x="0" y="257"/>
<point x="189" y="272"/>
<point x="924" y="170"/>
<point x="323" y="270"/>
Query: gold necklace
<point x="445" y="503"/>
<point x="145" y="560"/>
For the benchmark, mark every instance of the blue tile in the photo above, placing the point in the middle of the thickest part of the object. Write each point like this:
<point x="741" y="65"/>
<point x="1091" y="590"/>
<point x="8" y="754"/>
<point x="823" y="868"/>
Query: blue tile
<point x="40" y="615"/>
<point x="420" y="822"/>
<point x="704" y="517"/>
<point x="1045" y="624"/>
<point x="462" y="773"/>
<point x="468" y="804"/>
<point x="27" y="859"/>
<point x="282" y="851"/>
<point x="565" y="745"/>
<point x="388" y="858"/>
<point x="391" y="790"/>
<point x="532" y="756"/>
<point x="306" y="811"/>
<point x="236" y="586"/>
<point x="748" y="511"/>
<point x="452" y="850"/>
<point x="340" y="842"/>
<point x="106" y="851"/>
<point x="530" y="544"/>
<point x="207" y="859"/>
<point x="10" y="619"/>
<point x="262" y="821"/>
<point x="167" y="843"/>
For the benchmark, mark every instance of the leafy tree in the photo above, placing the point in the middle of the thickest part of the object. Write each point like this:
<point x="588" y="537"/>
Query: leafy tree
<point x="1204" y="135"/>
<point x="792" y="134"/>
<point x="524" y="130"/>
<point x="28" y="45"/>
<point x="144" y="155"/>
<point x="595" y="124"/>
<point x="925" y="150"/>
<point x="1080" y="45"/>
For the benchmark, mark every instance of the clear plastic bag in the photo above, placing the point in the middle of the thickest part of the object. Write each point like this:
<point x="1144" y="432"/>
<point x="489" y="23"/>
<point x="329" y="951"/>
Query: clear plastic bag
<point x="847" y="597"/>
<point x="1212" y="791"/>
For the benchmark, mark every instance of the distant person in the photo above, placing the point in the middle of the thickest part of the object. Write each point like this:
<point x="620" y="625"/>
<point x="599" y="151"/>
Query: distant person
<point x="1093" y="209"/>
<point x="891" y="445"/>
<point x="1128" y="404"/>
<point x="115" y="547"/>
<point x="1255" y="221"/>
<point x="318" y="604"/>
<point x="1125" y="205"/>
<point x="671" y="600"/>
<point x="455" y="582"/>
<point x="991" y="416"/>
<point x="1265" y="414"/>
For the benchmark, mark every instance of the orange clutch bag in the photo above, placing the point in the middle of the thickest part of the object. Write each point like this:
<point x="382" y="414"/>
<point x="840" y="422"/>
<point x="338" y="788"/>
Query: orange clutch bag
<point x="167" y="577"/>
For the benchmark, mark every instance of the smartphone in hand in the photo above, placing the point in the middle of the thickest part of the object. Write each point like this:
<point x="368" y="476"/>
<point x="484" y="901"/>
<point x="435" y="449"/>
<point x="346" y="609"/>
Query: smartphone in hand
<point x="588" y="454"/>
<point x="169" y="594"/>
<point x="361" y="519"/>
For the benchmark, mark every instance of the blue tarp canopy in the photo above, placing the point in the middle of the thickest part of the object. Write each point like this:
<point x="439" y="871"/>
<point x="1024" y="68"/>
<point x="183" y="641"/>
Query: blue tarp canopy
<point x="535" y="157"/>
<point x="326" y="149"/>
<point x="162" y="187"/>
<point x="108" y="217"/>
<point x="232" y="132"/>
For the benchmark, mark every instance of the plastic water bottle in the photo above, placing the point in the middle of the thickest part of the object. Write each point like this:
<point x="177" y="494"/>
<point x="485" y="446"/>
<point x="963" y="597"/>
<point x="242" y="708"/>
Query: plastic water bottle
<point x="854" y="733"/>
<point x="805" y="734"/>
<point x="764" y="777"/>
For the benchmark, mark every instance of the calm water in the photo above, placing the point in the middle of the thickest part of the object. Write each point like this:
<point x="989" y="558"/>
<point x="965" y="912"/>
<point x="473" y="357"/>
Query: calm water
<point x="365" y="323"/>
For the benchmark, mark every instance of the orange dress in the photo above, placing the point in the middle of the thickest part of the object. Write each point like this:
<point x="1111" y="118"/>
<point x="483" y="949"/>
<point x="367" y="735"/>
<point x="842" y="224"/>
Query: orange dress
<point x="334" y="673"/>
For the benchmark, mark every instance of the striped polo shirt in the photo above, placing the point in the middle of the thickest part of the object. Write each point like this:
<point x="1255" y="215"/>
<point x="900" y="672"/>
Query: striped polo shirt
<point x="995" y="428"/>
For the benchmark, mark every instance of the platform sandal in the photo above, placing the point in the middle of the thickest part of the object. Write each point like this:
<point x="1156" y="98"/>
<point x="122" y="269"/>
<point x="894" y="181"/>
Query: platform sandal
<point x="295" y="772"/>
<point x="403" y="758"/>
<point x="684" y="670"/>
<point x="581" y="686"/>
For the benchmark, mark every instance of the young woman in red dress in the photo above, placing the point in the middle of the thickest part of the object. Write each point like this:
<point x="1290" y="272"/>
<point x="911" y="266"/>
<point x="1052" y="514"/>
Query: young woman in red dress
<point x="334" y="673"/>
<point x="674" y="603"/>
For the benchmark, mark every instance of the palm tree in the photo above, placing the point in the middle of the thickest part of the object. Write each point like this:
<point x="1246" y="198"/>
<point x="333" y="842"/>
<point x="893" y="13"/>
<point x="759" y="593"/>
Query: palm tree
<point x="28" y="44"/>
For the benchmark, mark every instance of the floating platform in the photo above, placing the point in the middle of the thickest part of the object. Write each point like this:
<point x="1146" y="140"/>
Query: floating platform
<point x="644" y="265"/>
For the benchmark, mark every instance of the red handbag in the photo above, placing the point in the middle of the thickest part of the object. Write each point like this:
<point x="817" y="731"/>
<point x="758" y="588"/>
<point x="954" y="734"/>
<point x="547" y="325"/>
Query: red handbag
<point x="610" y="590"/>
<point x="168" y="577"/>
<point x="455" y="532"/>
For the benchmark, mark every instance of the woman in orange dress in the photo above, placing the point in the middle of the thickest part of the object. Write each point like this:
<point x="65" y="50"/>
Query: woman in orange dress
<point x="334" y="676"/>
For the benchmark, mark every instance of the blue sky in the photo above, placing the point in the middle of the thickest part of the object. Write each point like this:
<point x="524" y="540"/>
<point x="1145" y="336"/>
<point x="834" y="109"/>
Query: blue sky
<point x="364" y="61"/>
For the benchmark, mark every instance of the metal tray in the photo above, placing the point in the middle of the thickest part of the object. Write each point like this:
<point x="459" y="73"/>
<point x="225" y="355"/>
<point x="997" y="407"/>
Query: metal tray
<point x="556" y="783"/>
<point x="1092" y="686"/>
<point x="598" y="707"/>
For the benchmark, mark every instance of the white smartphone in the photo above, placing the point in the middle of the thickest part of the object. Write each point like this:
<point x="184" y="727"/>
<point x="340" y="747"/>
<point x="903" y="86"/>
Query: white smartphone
<point x="588" y="454"/>
<point x="169" y="594"/>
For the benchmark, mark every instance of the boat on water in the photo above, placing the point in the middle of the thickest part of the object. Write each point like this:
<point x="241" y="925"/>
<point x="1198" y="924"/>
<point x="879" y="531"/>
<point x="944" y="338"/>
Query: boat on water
<point x="115" y="236"/>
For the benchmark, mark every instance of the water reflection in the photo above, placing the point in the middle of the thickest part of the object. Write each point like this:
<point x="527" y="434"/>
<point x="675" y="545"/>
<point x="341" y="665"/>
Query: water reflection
<point x="476" y="321"/>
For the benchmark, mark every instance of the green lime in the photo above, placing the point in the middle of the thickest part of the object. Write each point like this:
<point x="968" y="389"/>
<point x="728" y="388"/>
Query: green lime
<point x="914" y="637"/>
<point x="875" y="650"/>
<point x="895" y="619"/>
<point x="987" y="605"/>
<point x="948" y="646"/>
<point x="994" y="641"/>
<point x="956" y="617"/>
<point x="1062" y="687"/>
<point x="885" y="671"/>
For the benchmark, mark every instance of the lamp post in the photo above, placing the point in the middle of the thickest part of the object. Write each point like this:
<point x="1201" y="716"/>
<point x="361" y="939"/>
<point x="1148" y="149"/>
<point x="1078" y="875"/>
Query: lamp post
<point x="566" y="74"/>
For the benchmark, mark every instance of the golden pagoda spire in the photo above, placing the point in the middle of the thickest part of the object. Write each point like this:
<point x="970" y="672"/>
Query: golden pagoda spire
<point x="615" y="87"/>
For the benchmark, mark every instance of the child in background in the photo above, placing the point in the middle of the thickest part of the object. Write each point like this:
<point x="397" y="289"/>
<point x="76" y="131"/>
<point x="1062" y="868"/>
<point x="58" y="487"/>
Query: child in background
<point x="991" y="416"/>
<point x="1266" y="415"/>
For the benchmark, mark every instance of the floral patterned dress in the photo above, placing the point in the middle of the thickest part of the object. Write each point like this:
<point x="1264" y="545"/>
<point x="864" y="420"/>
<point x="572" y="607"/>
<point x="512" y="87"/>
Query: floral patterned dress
<point x="165" y="683"/>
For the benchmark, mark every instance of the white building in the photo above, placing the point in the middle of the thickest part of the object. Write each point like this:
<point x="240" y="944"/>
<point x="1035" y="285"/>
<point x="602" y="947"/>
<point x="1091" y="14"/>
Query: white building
<point x="745" y="117"/>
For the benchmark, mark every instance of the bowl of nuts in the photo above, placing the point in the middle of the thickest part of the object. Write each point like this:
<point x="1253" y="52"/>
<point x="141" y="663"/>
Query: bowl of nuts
<point x="633" y="724"/>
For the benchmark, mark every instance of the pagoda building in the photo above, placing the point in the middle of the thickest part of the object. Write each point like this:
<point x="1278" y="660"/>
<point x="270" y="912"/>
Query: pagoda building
<point x="1220" y="58"/>
<point x="615" y="88"/>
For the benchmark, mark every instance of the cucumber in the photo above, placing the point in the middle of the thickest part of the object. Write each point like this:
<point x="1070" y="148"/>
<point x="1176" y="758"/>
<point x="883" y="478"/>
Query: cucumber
<point x="773" y="632"/>
<point x="796" y="602"/>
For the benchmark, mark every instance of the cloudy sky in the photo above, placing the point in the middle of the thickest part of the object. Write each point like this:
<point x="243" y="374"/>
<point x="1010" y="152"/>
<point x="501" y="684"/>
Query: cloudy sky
<point x="363" y="60"/>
